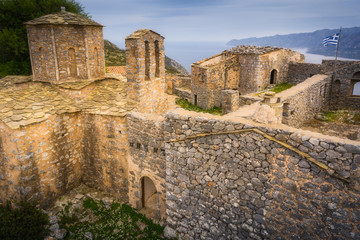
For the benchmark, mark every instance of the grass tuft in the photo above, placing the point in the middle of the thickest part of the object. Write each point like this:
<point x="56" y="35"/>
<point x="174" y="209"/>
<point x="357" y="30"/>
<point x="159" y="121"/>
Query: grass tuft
<point x="191" y="107"/>
<point x="117" y="221"/>
<point x="281" y="87"/>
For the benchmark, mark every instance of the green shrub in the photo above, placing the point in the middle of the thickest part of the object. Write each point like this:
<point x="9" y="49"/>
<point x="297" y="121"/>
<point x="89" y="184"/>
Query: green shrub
<point x="25" y="221"/>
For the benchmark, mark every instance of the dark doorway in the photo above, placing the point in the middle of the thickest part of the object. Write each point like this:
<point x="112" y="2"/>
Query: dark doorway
<point x="273" y="76"/>
<point x="195" y="99"/>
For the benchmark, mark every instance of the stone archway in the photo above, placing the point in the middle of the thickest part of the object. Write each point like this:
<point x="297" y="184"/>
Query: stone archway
<point x="148" y="193"/>
<point x="273" y="76"/>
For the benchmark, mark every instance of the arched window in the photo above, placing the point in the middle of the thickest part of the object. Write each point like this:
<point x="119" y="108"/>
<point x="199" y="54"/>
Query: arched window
<point x="148" y="193"/>
<point x="273" y="76"/>
<point x="337" y="85"/>
<point x="157" y="58"/>
<point x="43" y="71"/>
<point x="147" y="60"/>
<point x="72" y="62"/>
<point x="96" y="61"/>
<point x="355" y="83"/>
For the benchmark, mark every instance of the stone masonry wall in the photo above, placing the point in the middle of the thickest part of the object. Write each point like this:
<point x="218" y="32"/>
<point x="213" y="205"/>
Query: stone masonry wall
<point x="146" y="158"/>
<point x="45" y="160"/>
<point x="212" y="79"/>
<point x="303" y="101"/>
<point x="41" y="161"/>
<point x="105" y="150"/>
<point x="299" y="72"/>
<point x="258" y="182"/>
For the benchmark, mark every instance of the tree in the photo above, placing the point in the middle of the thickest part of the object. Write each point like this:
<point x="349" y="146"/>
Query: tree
<point x="14" y="50"/>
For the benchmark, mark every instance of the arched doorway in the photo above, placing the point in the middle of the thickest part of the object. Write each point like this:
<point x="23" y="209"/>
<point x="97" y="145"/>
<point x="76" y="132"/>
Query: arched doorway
<point x="355" y="84"/>
<point x="148" y="193"/>
<point x="273" y="76"/>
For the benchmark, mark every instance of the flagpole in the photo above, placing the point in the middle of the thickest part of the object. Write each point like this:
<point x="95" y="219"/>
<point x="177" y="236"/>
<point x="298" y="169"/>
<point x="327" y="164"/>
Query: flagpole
<point x="334" y="73"/>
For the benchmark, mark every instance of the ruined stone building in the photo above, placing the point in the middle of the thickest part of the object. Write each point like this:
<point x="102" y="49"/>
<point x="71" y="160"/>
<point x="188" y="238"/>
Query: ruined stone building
<point x="247" y="69"/>
<point x="249" y="174"/>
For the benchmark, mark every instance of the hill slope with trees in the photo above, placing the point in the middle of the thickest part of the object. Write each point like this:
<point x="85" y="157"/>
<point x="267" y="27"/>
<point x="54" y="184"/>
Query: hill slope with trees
<point x="349" y="42"/>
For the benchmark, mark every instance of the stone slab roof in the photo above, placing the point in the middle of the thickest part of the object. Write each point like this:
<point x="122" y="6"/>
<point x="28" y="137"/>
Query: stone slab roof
<point x="26" y="102"/>
<point x="63" y="18"/>
<point x="249" y="49"/>
<point x="139" y="33"/>
<point x="117" y="70"/>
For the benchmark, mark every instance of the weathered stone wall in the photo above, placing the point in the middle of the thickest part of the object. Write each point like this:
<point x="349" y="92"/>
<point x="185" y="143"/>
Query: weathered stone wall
<point x="209" y="80"/>
<point x="41" y="161"/>
<point x="105" y="150"/>
<point x="257" y="69"/>
<point x="303" y="101"/>
<point x="342" y="97"/>
<point x="45" y="160"/>
<point x="55" y="62"/>
<point x="146" y="158"/>
<point x="299" y="72"/>
<point x="199" y="87"/>
<point x="230" y="101"/>
<point x="250" y="184"/>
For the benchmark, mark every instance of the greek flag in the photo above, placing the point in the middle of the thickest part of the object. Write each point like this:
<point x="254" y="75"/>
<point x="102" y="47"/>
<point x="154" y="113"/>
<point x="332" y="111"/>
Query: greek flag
<point x="331" y="40"/>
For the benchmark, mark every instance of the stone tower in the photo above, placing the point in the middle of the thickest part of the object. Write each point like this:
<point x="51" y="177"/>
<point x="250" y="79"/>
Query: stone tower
<point x="145" y="58"/>
<point x="65" y="47"/>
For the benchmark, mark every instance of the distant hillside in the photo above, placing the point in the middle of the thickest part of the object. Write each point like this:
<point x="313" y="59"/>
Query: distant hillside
<point x="349" y="43"/>
<point x="115" y="56"/>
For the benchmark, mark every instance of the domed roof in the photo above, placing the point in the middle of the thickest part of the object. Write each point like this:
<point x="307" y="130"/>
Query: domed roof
<point x="63" y="18"/>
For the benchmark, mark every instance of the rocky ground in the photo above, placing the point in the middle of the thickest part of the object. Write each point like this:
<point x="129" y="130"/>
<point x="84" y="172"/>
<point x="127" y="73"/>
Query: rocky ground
<point x="72" y="205"/>
<point x="343" y="124"/>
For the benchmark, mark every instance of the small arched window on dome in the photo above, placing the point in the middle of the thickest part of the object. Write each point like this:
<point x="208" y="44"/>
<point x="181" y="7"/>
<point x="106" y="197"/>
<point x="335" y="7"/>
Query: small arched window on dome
<point x="43" y="72"/>
<point x="96" y="61"/>
<point x="72" y="62"/>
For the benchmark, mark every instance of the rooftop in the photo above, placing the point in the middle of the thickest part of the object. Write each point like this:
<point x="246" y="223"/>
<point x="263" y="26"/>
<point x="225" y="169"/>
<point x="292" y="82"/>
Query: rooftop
<point x="23" y="102"/>
<point x="63" y="18"/>
<point x="139" y="33"/>
<point x="249" y="49"/>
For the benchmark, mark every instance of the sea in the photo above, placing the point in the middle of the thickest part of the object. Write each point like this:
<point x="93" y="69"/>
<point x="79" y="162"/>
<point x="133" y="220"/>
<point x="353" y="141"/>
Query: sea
<point x="189" y="52"/>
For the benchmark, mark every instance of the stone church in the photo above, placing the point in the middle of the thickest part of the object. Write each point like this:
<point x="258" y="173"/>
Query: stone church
<point x="236" y="176"/>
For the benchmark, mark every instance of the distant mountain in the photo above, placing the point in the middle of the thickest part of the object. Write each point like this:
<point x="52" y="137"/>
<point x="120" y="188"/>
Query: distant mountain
<point x="349" y="42"/>
<point x="115" y="56"/>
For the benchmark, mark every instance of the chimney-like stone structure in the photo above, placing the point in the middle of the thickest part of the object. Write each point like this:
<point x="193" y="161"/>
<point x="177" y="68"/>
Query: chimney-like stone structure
<point x="145" y="61"/>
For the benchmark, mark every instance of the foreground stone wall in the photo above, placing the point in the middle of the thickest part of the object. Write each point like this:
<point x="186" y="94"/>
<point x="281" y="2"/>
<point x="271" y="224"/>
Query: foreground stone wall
<point x="252" y="184"/>
<point x="303" y="101"/>
<point x="41" y="161"/>
<point x="146" y="158"/>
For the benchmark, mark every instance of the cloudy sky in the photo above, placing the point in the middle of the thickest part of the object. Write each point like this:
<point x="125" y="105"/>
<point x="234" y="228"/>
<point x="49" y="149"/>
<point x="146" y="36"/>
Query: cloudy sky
<point x="220" y="20"/>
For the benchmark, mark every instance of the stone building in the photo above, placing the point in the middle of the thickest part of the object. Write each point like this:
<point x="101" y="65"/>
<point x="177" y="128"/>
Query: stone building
<point x="208" y="177"/>
<point x="64" y="47"/>
<point x="246" y="69"/>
